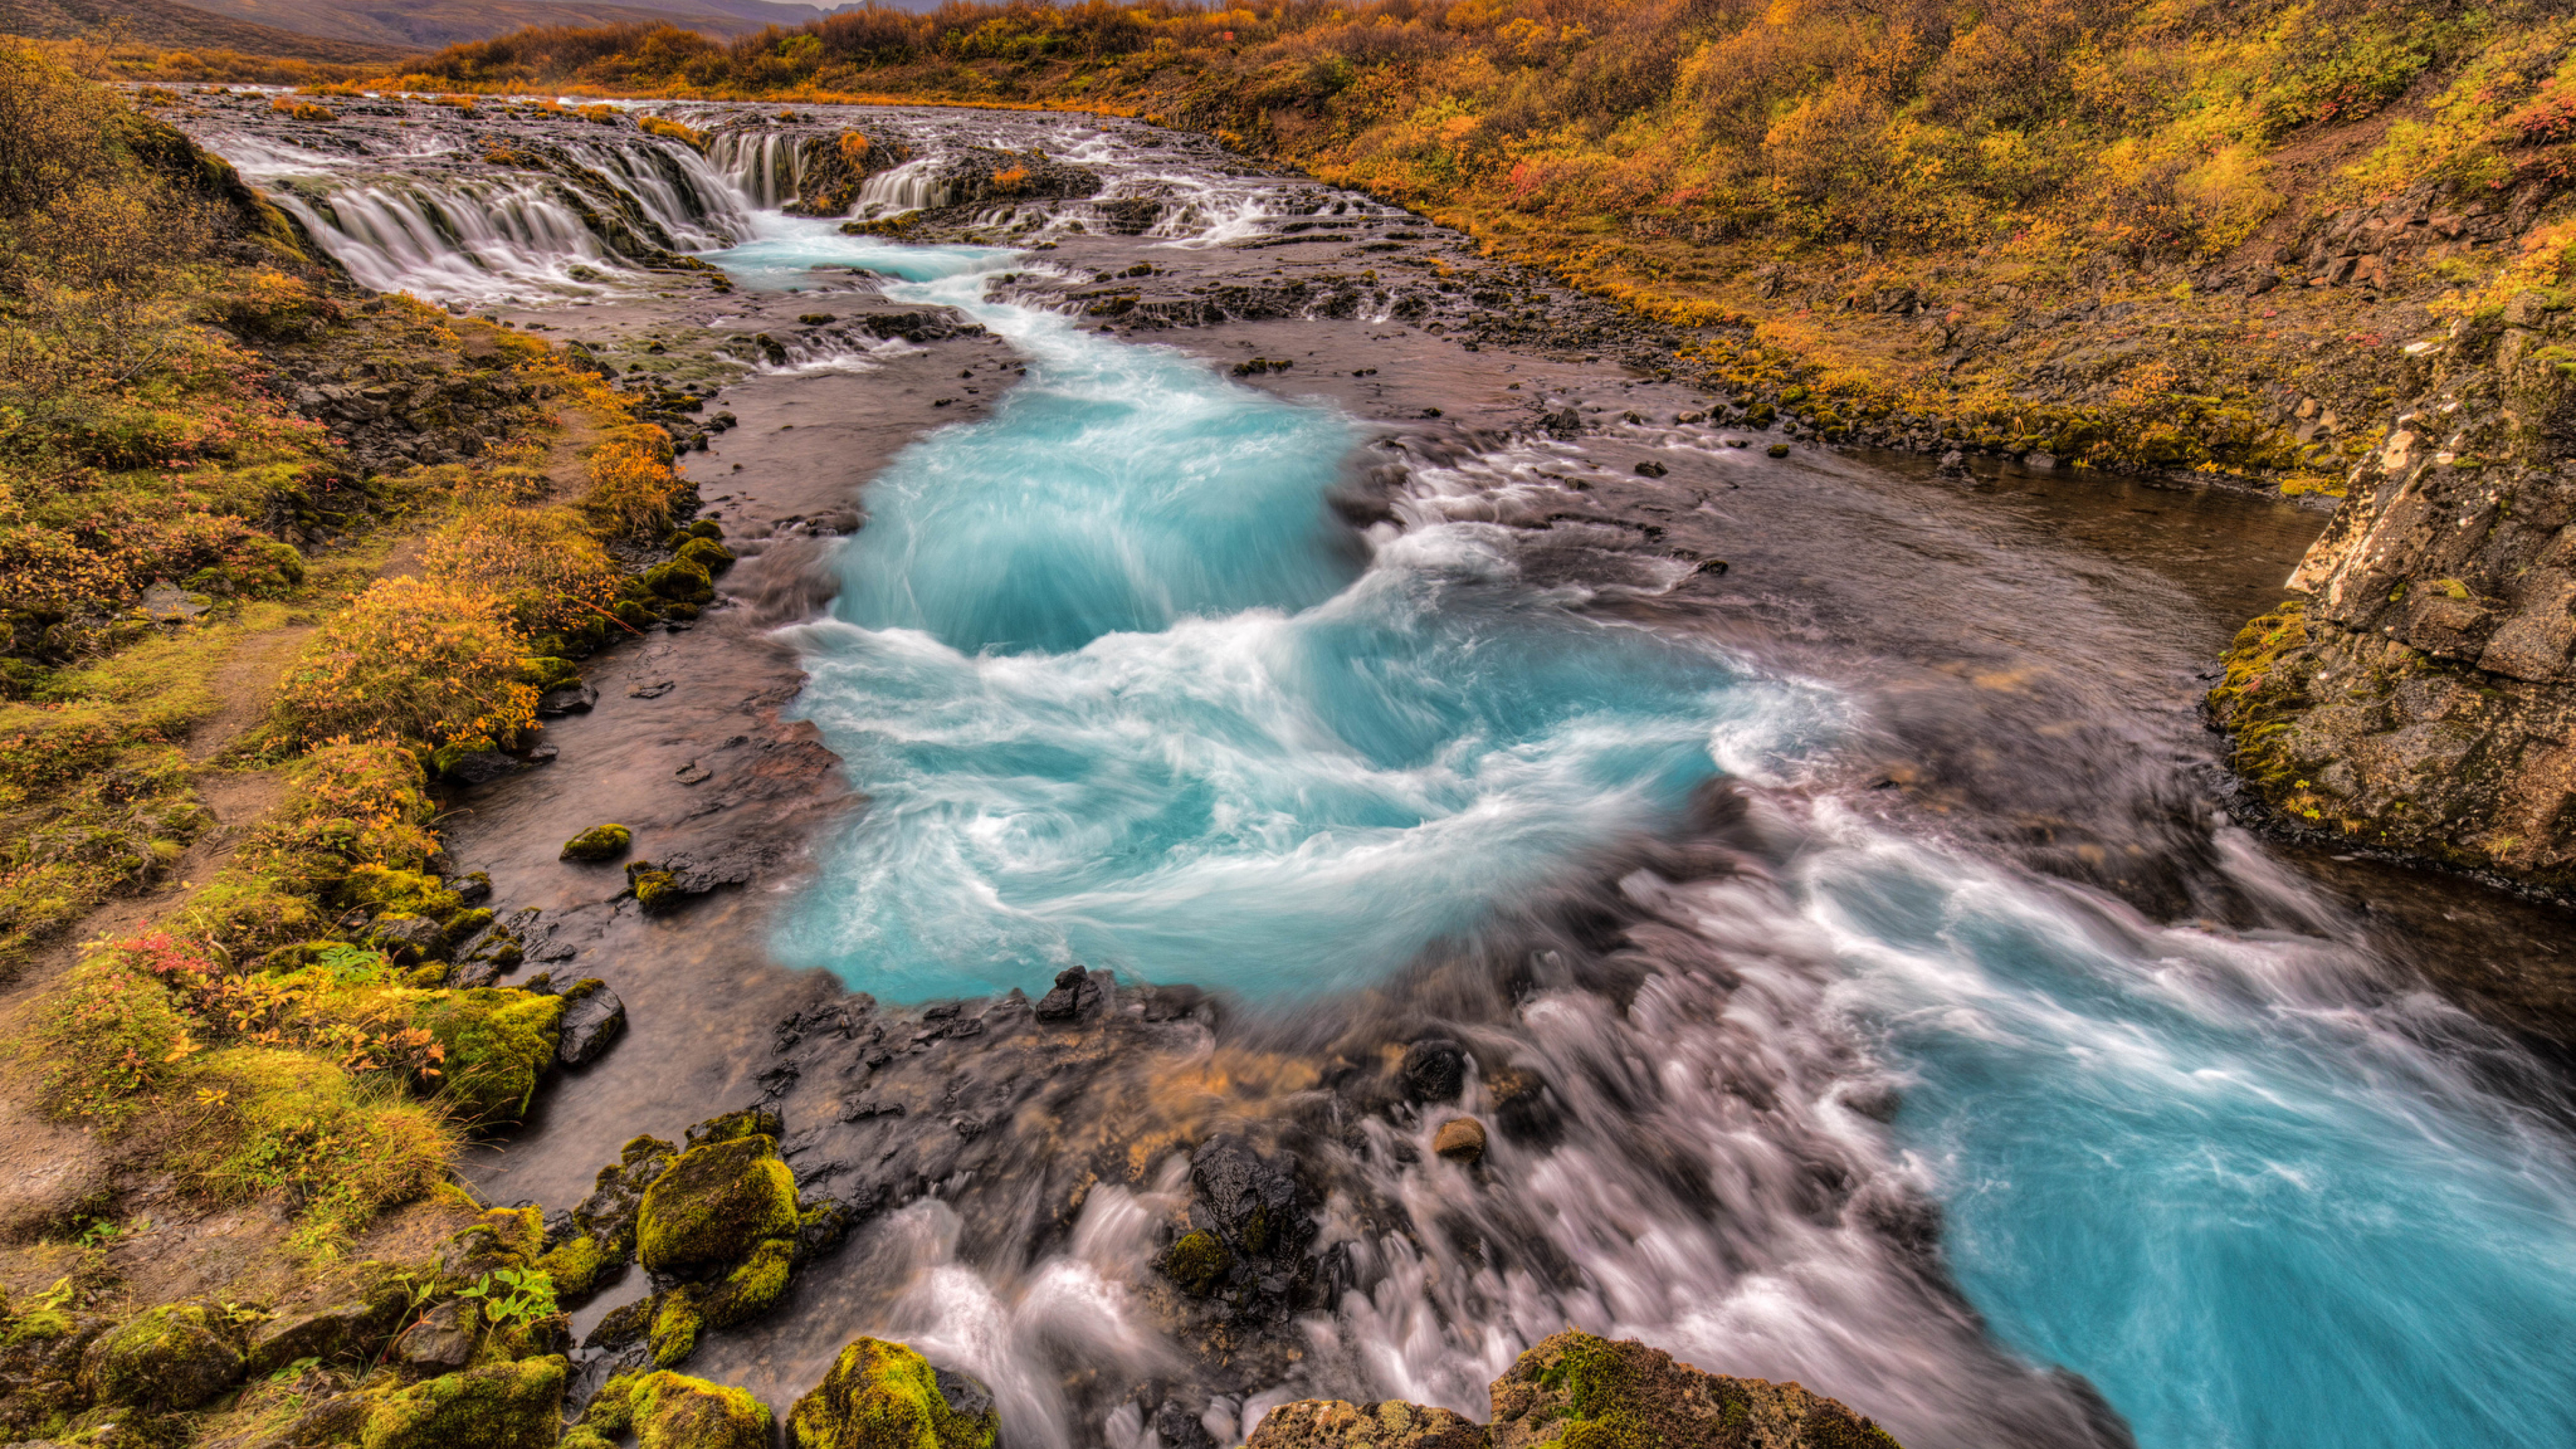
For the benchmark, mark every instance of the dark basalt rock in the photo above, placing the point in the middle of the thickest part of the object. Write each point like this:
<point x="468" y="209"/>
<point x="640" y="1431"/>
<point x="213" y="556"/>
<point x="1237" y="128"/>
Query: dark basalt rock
<point x="593" y="1019"/>
<point x="443" y="1340"/>
<point x="1434" y="1070"/>
<point x="1074" y="995"/>
<point x="570" y="699"/>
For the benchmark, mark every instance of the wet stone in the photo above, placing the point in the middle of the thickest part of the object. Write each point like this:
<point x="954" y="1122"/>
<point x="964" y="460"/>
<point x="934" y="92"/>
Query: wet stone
<point x="1433" y="1070"/>
<point x="593" y="1019"/>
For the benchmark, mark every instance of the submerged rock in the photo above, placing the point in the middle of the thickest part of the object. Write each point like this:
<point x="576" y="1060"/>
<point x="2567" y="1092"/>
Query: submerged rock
<point x="1460" y="1139"/>
<point x="882" y="1395"/>
<point x="1433" y="1070"/>
<point x="598" y="843"/>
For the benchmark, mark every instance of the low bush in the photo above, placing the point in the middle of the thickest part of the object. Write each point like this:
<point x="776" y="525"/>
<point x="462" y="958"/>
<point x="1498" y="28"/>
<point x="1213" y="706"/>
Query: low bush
<point x="410" y="659"/>
<point x="543" y="564"/>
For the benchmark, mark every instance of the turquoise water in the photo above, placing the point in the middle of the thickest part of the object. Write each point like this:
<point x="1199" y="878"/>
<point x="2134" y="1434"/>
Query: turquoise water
<point x="1121" y="692"/>
<point x="2208" y="1175"/>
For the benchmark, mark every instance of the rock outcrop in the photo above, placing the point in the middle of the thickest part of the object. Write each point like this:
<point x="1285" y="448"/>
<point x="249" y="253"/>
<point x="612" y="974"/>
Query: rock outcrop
<point x="2422" y="697"/>
<point x="1575" y="1389"/>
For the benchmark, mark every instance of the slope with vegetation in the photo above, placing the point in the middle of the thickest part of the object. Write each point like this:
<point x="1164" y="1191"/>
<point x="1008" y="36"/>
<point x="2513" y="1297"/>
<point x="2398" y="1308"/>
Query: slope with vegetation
<point x="238" y="968"/>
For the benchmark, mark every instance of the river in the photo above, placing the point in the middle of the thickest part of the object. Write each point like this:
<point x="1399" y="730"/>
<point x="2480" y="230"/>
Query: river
<point x="1817" y="864"/>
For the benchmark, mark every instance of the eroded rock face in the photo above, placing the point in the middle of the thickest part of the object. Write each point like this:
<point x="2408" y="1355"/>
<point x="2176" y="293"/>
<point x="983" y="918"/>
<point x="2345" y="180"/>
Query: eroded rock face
<point x="1334" y="1424"/>
<point x="2423" y="696"/>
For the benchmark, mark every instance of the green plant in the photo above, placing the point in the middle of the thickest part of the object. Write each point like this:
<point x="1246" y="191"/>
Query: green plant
<point x="512" y="1296"/>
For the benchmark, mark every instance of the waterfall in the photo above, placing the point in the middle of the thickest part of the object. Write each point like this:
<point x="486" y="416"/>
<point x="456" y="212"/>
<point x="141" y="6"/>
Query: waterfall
<point x="912" y="186"/>
<point x="764" y="166"/>
<point x="469" y="243"/>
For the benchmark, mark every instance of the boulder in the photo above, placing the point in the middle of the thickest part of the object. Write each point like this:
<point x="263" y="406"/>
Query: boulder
<point x="499" y="1406"/>
<point x="170" y="1358"/>
<point x="1434" y="1069"/>
<point x="593" y="1019"/>
<point x="567" y="699"/>
<point x="671" y="1411"/>
<point x="337" y="1330"/>
<point x="882" y="1395"/>
<point x="1460" y="1139"/>
<point x="715" y="1205"/>
<point x="1333" y="1424"/>
<point x="500" y="1238"/>
<point x="444" y="1339"/>
<point x="1575" y="1386"/>
<point x="1246" y="1201"/>
<point x="756" y="1121"/>
<point x="598" y="843"/>
<point x="617" y="1193"/>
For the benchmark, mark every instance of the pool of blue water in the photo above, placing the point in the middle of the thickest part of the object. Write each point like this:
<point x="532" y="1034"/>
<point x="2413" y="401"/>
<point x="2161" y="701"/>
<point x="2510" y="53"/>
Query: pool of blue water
<point x="1121" y="692"/>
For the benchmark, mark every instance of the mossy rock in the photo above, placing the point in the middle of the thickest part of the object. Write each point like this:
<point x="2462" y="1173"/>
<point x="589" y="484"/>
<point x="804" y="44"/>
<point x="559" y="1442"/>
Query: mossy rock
<point x="498" y="1406"/>
<point x="754" y="1286"/>
<point x="682" y="580"/>
<point x="499" y="1041"/>
<point x="598" y="843"/>
<point x="707" y="554"/>
<point x="1198" y="1262"/>
<point x="408" y="892"/>
<point x="882" y="1395"/>
<point x="706" y="528"/>
<point x="673" y="1411"/>
<point x="735" y="1125"/>
<point x="617" y="1193"/>
<point x="1580" y="1391"/>
<point x="656" y="890"/>
<point x="170" y="1358"/>
<point x="716" y="1205"/>
<point x="501" y="1238"/>
<point x="577" y="1264"/>
<point x="677" y="1325"/>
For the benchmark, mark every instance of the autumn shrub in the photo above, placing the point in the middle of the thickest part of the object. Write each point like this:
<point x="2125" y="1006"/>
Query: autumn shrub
<point x="109" y="1039"/>
<point x="410" y="659"/>
<point x="632" y="488"/>
<point x="669" y="129"/>
<point x="542" y="563"/>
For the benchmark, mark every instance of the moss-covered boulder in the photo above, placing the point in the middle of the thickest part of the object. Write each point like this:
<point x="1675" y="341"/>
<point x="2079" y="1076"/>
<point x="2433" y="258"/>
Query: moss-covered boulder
<point x="681" y="580"/>
<point x="174" y="1357"/>
<point x="345" y="1319"/>
<point x="707" y="554"/>
<point x="883" y="1395"/>
<point x="498" y="1406"/>
<point x="1586" y="1392"/>
<point x="499" y="1040"/>
<point x="617" y="1194"/>
<point x="599" y="843"/>
<point x="1198" y="1262"/>
<point x="655" y="889"/>
<point x="670" y="1411"/>
<point x="501" y="1238"/>
<point x="715" y="1205"/>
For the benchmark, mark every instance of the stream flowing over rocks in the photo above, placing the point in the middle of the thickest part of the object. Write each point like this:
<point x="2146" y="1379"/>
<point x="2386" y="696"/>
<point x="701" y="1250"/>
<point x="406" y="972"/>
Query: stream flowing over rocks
<point x="1273" y="815"/>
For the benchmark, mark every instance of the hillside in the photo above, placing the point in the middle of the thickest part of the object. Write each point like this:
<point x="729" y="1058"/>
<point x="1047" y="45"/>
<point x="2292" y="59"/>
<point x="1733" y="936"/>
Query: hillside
<point x="165" y="23"/>
<point x="432" y="23"/>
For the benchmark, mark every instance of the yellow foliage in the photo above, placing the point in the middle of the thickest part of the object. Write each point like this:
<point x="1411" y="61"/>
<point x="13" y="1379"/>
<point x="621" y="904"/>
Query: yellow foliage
<point x="632" y="487"/>
<point x="542" y="563"/>
<point x="410" y="659"/>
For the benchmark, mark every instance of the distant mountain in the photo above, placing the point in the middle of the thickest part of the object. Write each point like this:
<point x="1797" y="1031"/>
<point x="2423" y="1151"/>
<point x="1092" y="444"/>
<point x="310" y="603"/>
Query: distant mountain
<point x="419" y="25"/>
<point x="172" y="26"/>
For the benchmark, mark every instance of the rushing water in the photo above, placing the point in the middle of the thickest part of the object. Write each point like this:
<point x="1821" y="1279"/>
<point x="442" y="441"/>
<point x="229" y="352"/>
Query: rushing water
<point x="1124" y="690"/>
